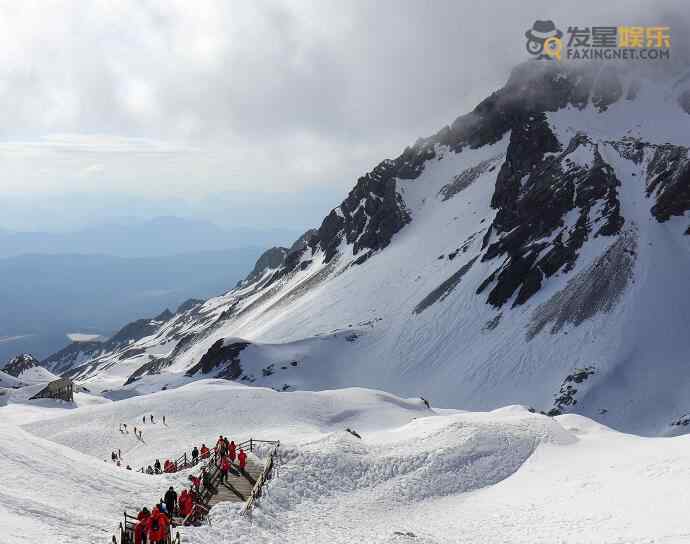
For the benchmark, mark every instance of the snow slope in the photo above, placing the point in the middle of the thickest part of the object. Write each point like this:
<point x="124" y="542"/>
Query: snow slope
<point x="441" y="475"/>
<point x="52" y="493"/>
<point x="544" y="232"/>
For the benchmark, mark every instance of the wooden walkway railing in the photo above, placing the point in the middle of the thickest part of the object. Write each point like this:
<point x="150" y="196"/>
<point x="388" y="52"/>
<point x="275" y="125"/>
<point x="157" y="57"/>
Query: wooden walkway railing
<point x="265" y="476"/>
<point x="201" y="507"/>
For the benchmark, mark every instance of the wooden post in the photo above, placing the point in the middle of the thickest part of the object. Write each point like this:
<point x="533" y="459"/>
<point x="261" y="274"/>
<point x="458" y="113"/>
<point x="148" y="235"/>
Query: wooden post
<point x="251" y="444"/>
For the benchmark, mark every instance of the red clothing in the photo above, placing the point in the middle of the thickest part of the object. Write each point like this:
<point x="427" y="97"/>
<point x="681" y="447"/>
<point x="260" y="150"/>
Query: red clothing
<point x="185" y="502"/>
<point x="139" y="531"/>
<point x="232" y="451"/>
<point x="155" y="526"/>
<point x="224" y="464"/>
<point x="205" y="452"/>
<point x="242" y="458"/>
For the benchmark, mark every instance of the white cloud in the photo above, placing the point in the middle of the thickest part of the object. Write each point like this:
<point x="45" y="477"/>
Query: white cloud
<point x="186" y="99"/>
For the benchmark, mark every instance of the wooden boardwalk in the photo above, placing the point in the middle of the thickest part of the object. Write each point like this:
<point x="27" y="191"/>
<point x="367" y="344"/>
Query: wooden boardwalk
<point x="239" y="486"/>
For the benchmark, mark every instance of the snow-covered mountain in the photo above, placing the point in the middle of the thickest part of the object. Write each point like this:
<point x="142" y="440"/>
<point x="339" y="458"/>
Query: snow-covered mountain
<point x="27" y="370"/>
<point x="534" y="251"/>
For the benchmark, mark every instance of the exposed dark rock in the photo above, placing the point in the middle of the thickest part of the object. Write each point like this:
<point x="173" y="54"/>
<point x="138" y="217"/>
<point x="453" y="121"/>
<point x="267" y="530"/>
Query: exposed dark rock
<point x="154" y="366"/>
<point x="668" y="177"/>
<point x="533" y="194"/>
<point x="133" y="352"/>
<point x="222" y="358"/>
<point x="272" y="258"/>
<point x="19" y="364"/>
<point x="188" y="304"/>
<point x="594" y="290"/>
<point x="467" y="177"/>
<point x="137" y="330"/>
<point x="566" y="394"/>
<point x="493" y="323"/>
<point x="73" y="354"/>
<point x="443" y="290"/>
<point x="369" y="217"/>
<point x="373" y="211"/>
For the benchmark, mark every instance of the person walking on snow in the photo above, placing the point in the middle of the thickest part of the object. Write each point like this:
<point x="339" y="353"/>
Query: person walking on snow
<point x="232" y="450"/>
<point x="170" y="500"/>
<point x="157" y="466"/>
<point x="195" y="455"/>
<point x="151" y="418"/>
<point x="143" y="420"/>
<point x="242" y="458"/>
<point x="163" y="420"/>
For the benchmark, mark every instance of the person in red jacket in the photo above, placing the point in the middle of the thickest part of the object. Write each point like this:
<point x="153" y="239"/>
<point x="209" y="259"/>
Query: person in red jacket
<point x="205" y="452"/>
<point x="155" y="526"/>
<point x="232" y="451"/>
<point x="183" y="503"/>
<point x="224" y="469"/>
<point x="242" y="458"/>
<point x="196" y="482"/>
<point x="165" y="527"/>
<point x="141" y="528"/>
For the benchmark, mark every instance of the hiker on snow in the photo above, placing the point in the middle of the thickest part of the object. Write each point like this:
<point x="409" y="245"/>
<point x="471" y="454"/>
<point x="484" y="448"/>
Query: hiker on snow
<point x="232" y="448"/>
<point x="242" y="458"/>
<point x="204" y="451"/>
<point x="157" y="466"/>
<point x="195" y="455"/>
<point x="170" y="500"/>
<point x="149" y="470"/>
<point x="151" y="418"/>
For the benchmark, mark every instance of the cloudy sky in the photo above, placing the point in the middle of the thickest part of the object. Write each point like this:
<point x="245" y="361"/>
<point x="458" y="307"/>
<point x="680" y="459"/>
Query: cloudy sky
<point x="243" y="112"/>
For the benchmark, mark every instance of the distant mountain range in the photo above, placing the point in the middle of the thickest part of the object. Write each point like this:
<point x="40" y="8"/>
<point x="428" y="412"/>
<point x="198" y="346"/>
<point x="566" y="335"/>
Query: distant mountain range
<point x="45" y="297"/>
<point x="162" y="236"/>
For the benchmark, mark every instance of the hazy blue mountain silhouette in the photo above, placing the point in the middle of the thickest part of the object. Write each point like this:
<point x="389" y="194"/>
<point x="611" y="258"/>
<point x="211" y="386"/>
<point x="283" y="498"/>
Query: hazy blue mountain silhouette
<point x="47" y="296"/>
<point x="161" y="236"/>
